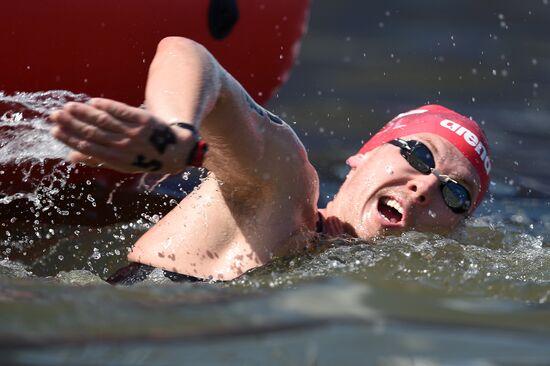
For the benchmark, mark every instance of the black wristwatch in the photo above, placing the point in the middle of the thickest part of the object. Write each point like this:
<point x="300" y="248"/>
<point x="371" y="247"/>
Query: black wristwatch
<point x="196" y="156"/>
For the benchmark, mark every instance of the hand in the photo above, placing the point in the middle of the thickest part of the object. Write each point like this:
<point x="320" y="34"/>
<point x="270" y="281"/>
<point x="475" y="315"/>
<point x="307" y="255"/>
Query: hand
<point x="122" y="137"/>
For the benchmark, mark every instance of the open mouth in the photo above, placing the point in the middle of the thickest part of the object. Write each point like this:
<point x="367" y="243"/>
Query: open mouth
<point x="390" y="209"/>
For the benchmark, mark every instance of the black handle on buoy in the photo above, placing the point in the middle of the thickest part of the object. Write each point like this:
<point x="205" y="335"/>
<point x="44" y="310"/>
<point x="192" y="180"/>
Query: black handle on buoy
<point x="222" y="17"/>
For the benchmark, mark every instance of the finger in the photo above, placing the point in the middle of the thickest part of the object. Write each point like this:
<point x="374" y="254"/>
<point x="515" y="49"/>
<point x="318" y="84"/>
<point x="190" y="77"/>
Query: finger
<point x="96" y="117"/>
<point x="99" y="153"/>
<point x="55" y="116"/>
<point x="85" y="147"/>
<point x="52" y="118"/>
<point x="84" y="131"/>
<point x="120" y="110"/>
<point x="78" y="157"/>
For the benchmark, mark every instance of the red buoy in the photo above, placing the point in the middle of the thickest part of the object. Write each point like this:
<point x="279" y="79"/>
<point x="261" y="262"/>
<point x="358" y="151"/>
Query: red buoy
<point x="104" y="47"/>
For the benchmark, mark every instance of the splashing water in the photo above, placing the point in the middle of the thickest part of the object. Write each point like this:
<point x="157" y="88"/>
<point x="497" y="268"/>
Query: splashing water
<point x="24" y="129"/>
<point x="474" y="260"/>
<point x="31" y="163"/>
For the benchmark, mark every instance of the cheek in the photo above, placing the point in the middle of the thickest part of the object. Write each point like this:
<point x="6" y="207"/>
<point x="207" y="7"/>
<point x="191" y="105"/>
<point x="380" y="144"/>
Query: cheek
<point x="437" y="214"/>
<point x="445" y="218"/>
<point x="389" y="169"/>
<point x="379" y="171"/>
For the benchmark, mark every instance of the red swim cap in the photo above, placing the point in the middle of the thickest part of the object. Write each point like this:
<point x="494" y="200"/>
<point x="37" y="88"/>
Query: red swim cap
<point x="462" y="132"/>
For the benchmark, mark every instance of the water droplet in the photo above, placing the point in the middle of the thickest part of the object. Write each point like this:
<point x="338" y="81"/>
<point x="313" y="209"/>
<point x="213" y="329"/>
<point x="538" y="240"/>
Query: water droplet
<point x="96" y="254"/>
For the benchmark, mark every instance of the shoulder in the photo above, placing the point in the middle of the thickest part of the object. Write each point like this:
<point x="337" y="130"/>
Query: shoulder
<point x="268" y="154"/>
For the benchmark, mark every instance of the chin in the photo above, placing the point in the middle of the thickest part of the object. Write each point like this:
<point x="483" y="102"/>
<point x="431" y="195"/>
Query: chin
<point x="376" y="232"/>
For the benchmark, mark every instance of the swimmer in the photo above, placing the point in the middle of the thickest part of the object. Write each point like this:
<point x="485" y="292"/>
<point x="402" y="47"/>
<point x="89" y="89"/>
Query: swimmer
<point x="426" y="170"/>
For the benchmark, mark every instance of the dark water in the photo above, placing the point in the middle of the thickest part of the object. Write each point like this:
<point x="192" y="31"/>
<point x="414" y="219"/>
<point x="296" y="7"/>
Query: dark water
<point x="478" y="297"/>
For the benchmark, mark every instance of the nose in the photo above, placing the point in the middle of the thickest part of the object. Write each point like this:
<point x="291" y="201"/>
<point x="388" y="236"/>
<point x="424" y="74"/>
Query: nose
<point x="423" y="187"/>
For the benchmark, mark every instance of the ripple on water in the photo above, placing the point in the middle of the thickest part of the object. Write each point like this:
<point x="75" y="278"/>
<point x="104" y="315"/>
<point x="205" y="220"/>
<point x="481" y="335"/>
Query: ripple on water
<point x="477" y="260"/>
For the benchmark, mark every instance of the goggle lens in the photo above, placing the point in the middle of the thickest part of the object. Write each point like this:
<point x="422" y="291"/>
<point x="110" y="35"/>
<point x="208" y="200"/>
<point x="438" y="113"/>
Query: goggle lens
<point x="421" y="158"/>
<point x="456" y="197"/>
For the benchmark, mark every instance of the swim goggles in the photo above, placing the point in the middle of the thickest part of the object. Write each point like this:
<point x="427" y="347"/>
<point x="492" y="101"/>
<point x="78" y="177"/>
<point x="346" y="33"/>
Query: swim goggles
<point x="420" y="157"/>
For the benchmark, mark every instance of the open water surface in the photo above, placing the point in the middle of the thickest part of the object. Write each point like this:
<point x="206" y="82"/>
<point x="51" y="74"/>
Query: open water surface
<point x="477" y="297"/>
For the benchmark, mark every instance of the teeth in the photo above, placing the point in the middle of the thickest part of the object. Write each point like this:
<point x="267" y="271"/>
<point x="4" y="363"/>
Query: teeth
<point x="394" y="204"/>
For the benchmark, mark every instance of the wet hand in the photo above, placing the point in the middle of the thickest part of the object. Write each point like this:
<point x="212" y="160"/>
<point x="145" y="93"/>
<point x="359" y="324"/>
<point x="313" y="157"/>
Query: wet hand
<point x="124" y="138"/>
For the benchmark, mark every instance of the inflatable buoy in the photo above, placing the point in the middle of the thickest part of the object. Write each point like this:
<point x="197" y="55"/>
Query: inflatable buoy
<point x="104" y="47"/>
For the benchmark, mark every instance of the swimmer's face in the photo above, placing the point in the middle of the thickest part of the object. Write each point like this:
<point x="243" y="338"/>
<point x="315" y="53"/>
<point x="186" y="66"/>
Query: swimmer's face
<point x="381" y="183"/>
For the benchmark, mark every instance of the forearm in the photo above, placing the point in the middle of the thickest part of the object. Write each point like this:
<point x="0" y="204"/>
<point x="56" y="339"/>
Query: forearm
<point x="184" y="82"/>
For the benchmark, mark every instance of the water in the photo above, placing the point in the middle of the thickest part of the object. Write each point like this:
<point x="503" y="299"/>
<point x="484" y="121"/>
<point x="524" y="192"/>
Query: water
<point x="477" y="297"/>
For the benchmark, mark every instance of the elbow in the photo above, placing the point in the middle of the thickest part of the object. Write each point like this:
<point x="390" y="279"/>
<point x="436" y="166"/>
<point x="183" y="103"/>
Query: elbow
<point x="192" y="52"/>
<point x="188" y="55"/>
<point x="179" y="44"/>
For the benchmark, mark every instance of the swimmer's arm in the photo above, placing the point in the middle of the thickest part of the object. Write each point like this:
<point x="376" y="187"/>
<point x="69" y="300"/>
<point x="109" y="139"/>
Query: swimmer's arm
<point x="187" y="84"/>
